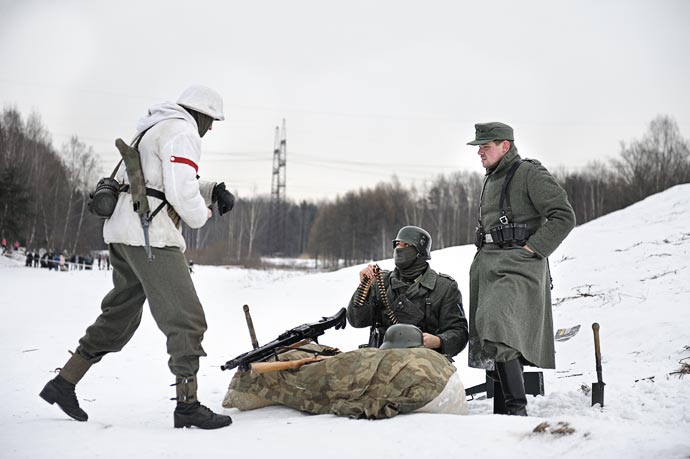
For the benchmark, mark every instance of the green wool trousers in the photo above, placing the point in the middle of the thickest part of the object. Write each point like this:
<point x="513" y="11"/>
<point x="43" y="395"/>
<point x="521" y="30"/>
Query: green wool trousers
<point x="168" y="287"/>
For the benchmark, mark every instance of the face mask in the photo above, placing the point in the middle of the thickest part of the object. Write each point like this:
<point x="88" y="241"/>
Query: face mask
<point x="404" y="257"/>
<point x="204" y="124"/>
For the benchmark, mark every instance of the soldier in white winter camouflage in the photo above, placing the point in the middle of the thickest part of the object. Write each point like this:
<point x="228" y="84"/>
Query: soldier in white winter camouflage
<point x="169" y="152"/>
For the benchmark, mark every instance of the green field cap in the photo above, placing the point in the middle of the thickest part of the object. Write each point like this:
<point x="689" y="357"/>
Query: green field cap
<point x="487" y="132"/>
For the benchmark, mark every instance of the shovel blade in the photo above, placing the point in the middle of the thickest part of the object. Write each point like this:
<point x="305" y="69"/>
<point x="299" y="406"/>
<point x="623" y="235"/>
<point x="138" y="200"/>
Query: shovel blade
<point x="598" y="393"/>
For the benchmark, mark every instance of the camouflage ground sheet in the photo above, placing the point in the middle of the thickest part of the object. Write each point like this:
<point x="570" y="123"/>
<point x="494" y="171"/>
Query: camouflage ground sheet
<point x="364" y="383"/>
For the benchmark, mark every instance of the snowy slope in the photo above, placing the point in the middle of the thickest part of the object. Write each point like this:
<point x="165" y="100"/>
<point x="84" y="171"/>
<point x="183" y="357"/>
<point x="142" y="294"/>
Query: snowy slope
<point x="629" y="271"/>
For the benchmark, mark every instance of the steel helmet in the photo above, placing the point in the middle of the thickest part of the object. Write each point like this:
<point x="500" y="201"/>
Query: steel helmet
<point x="203" y="100"/>
<point x="401" y="336"/>
<point x="417" y="237"/>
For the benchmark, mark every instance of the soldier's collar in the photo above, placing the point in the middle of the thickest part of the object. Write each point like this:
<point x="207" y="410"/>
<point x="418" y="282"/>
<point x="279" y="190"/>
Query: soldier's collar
<point x="396" y="282"/>
<point x="510" y="157"/>
<point x="428" y="279"/>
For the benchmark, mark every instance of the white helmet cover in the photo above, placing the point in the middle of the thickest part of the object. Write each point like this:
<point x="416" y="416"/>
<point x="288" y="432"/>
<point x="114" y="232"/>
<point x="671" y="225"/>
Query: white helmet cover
<point x="204" y="100"/>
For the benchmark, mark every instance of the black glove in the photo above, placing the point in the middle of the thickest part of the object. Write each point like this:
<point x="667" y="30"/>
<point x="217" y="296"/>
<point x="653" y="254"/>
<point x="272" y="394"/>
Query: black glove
<point x="222" y="198"/>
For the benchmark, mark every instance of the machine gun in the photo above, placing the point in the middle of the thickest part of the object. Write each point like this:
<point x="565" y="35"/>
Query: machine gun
<point x="285" y="340"/>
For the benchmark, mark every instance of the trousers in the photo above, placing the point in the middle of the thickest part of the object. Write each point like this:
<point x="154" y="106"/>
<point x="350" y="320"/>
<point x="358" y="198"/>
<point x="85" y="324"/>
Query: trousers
<point x="172" y="298"/>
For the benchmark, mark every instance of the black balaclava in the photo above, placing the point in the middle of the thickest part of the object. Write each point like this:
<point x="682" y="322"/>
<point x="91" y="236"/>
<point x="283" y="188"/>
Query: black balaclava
<point x="203" y="122"/>
<point x="409" y="262"/>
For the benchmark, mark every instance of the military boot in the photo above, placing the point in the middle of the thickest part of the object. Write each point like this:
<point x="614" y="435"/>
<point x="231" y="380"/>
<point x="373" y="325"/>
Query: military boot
<point x="496" y="392"/>
<point x="513" y="386"/>
<point x="190" y="413"/>
<point x="60" y="389"/>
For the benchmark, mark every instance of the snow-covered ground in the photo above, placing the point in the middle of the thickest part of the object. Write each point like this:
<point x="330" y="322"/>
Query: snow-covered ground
<point x="629" y="271"/>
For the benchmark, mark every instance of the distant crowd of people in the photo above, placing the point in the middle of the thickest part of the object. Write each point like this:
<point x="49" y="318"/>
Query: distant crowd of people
<point x="5" y="247"/>
<point x="57" y="259"/>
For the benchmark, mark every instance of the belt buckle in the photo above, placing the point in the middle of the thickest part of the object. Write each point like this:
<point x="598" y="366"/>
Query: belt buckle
<point x="488" y="239"/>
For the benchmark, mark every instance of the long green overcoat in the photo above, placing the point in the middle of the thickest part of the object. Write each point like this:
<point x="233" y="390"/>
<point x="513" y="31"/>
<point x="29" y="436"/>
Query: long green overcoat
<point x="510" y="296"/>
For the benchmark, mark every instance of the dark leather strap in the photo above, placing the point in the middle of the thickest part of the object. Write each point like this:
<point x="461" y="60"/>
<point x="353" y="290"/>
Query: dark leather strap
<point x="506" y="213"/>
<point x="154" y="194"/>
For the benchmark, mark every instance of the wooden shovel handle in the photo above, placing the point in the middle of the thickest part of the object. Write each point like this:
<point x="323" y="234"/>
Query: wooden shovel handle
<point x="250" y="326"/>
<point x="597" y="348"/>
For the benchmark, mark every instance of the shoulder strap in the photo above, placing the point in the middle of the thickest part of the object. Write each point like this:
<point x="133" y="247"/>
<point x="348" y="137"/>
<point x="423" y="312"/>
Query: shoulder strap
<point x="137" y="139"/>
<point x="506" y="213"/>
<point x="427" y="310"/>
<point x="117" y="166"/>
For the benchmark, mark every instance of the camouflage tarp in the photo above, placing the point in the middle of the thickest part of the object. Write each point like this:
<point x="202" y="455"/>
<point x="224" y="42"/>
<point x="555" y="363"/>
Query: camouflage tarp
<point x="364" y="383"/>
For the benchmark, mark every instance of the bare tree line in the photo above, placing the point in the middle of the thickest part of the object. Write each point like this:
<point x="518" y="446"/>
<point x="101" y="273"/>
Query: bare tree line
<point x="656" y="162"/>
<point x="44" y="193"/>
<point x="360" y="226"/>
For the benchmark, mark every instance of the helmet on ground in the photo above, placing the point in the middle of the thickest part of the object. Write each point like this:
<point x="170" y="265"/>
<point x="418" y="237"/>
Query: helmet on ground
<point x="401" y="336"/>
<point x="203" y="100"/>
<point x="417" y="237"/>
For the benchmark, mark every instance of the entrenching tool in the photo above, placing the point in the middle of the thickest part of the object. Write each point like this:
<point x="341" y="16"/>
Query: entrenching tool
<point x="137" y="188"/>
<point x="250" y="326"/>
<point x="597" y="387"/>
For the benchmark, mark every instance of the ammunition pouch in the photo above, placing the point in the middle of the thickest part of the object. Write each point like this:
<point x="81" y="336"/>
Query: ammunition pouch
<point x="103" y="200"/>
<point x="509" y="234"/>
<point x="479" y="237"/>
<point x="506" y="233"/>
<point x="502" y="235"/>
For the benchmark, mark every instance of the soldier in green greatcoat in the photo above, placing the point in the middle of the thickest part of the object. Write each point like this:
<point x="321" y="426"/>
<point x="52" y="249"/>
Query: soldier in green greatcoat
<point x="524" y="215"/>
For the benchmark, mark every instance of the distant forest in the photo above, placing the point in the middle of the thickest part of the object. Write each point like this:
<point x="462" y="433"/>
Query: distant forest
<point x="44" y="194"/>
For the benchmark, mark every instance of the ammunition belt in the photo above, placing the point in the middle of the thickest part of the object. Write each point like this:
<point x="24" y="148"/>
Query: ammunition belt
<point x="384" y="297"/>
<point x="362" y="291"/>
<point x="365" y="286"/>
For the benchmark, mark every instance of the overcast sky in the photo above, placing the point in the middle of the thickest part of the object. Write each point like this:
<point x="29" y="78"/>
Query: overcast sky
<point x="369" y="89"/>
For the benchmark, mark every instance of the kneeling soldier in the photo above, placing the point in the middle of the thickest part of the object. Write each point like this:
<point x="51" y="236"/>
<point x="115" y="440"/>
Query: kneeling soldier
<point x="412" y="293"/>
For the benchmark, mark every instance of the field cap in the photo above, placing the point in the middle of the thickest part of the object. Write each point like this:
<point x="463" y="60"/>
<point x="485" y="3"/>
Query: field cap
<point x="487" y="132"/>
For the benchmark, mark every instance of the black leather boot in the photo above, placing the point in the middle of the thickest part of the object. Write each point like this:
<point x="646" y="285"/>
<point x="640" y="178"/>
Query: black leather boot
<point x="197" y="415"/>
<point x="496" y="391"/>
<point x="190" y="413"/>
<point x="60" y="391"/>
<point x="513" y="385"/>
